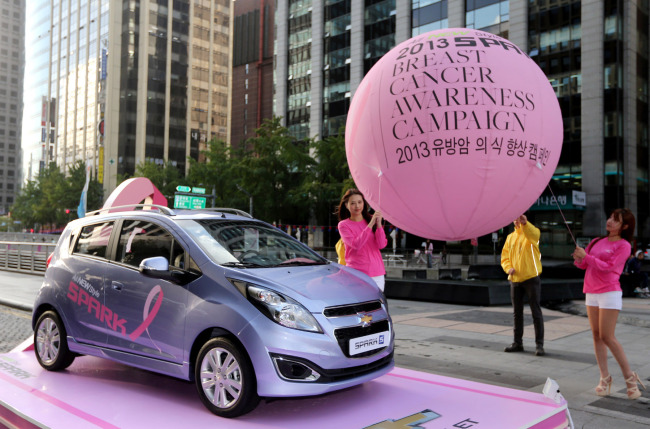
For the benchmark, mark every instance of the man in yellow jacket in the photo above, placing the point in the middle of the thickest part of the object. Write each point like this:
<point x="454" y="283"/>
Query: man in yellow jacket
<point x="520" y="259"/>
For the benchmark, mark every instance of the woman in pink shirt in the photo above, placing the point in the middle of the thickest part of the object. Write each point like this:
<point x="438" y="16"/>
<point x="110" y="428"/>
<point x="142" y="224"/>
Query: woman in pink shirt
<point x="603" y="261"/>
<point x="363" y="236"/>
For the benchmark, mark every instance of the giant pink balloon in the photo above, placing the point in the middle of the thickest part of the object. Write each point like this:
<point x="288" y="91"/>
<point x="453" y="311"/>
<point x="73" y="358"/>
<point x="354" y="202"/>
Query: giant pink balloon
<point x="453" y="134"/>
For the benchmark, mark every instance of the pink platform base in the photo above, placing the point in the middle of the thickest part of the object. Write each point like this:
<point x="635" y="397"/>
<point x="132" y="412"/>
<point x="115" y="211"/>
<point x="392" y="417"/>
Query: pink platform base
<point x="97" y="393"/>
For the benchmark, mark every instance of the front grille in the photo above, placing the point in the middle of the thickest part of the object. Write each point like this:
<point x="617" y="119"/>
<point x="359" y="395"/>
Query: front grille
<point x="344" y="335"/>
<point x="349" y="310"/>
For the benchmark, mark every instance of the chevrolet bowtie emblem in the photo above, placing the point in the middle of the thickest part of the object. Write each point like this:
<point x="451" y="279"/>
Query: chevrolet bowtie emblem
<point x="365" y="319"/>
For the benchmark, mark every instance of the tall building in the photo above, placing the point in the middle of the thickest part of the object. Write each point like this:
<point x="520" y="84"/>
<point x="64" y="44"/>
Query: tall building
<point x="252" y="67"/>
<point x="12" y="31"/>
<point x="122" y="82"/>
<point x="594" y="53"/>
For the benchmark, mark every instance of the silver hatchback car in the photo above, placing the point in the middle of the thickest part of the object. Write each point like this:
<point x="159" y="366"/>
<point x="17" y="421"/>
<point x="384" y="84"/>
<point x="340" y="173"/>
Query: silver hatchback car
<point x="212" y="296"/>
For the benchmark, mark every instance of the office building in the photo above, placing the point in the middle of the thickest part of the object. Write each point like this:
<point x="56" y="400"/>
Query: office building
<point x="123" y="82"/>
<point x="12" y="31"/>
<point x="594" y="53"/>
<point x="252" y="67"/>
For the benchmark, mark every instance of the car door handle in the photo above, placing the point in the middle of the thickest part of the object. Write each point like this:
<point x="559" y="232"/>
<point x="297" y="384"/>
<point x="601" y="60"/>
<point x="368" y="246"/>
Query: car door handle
<point x="117" y="285"/>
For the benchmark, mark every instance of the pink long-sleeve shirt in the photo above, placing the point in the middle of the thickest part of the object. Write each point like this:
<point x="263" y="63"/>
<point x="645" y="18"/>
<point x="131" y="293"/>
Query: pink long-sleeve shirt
<point x="362" y="247"/>
<point x="604" y="264"/>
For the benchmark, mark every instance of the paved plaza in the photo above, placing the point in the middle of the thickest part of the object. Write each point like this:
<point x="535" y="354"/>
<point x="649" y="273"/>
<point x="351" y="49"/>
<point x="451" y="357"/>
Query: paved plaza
<point x="467" y="342"/>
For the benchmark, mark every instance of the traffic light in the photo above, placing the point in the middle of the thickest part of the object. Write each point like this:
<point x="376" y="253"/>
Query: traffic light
<point x="67" y="211"/>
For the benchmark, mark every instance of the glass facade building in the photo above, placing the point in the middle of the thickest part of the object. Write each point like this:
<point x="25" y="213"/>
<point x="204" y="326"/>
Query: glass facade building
<point x="594" y="53"/>
<point x="298" y="95"/>
<point x="252" y="68"/>
<point x="12" y="32"/>
<point x="124" y="82"/>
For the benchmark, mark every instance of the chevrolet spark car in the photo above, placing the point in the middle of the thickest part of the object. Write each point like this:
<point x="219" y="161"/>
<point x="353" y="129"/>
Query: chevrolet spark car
<point x="212" y="296"/>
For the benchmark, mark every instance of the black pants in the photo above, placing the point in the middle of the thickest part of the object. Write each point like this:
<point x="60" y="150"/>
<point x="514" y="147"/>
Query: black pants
<point x="532" y="288"/>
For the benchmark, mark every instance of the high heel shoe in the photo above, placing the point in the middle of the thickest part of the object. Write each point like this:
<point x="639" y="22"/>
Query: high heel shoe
<point x="604" y="386"/>
<point x="634" y="392"/>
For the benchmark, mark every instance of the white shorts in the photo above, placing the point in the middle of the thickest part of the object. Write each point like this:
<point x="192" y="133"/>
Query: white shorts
<point x="607" y="300"/>
<point x="380" y="281"/>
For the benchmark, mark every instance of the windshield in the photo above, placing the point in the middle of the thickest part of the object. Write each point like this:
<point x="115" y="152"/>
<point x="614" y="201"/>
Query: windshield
<point x="248" y="244"/>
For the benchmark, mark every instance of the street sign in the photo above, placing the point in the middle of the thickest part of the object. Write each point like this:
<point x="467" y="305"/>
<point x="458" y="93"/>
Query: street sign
<point x="198" y="190"/>
<point x="188" y="202"/>
<point x="183" y="188"/>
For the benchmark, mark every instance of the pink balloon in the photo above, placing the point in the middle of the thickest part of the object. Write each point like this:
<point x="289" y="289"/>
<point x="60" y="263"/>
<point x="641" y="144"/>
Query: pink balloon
<point x="453" y="134"/>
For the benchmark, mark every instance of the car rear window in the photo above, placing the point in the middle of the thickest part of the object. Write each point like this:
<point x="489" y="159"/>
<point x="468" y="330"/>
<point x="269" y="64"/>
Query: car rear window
<point x="93" y="240"/>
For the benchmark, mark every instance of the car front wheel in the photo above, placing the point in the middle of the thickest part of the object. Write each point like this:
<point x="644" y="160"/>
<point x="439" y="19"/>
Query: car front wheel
<point x="51" y="344"/>
<point x="225" y="378"/>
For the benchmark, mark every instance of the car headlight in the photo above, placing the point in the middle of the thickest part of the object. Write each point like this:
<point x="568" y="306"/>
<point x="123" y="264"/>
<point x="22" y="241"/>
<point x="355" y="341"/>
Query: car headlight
<point x="280" y="309"/>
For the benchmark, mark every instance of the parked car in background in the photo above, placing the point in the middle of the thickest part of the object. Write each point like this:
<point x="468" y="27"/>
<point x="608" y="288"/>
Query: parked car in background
<point x="213" y="296"/>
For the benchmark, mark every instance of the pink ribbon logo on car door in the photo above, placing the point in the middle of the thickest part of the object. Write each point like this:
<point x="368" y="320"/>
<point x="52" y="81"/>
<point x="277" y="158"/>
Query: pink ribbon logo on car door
<point x="148" y="317"/>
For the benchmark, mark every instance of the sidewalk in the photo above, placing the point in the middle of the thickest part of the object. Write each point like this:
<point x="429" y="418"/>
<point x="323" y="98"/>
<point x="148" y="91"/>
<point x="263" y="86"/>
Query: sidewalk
<point x="467" y="342"/>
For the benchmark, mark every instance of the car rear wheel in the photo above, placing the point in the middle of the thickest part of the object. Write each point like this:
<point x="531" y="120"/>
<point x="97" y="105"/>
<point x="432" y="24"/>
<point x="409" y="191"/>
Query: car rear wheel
<point x="51" y="344"/>
<point x="225" y="378"/>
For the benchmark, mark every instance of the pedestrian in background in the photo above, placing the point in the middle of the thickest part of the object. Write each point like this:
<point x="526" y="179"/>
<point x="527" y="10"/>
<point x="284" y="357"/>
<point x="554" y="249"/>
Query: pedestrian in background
<point x="428" y="250"/>
<point x="363" y="236"/>
<point x="521" y="260"/>
<point x="603" y="261"/>
<point x="639" y="278"/>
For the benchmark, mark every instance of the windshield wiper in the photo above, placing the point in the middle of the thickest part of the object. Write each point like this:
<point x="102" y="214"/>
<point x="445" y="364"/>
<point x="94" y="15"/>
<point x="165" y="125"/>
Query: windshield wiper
<point x="299" y="263"/>
<point x="237" y="264"/>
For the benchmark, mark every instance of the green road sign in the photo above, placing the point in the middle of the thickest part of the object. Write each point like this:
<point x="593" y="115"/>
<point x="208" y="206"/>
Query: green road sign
<point x="198" y="190"/>
<point x="188" y="202"/>
<point x="183" y="188"/>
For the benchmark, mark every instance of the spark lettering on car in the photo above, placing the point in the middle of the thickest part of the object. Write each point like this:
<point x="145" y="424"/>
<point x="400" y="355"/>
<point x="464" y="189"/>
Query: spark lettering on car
<point x="107" y="316"/>
<point x="102" y="313"/>
<point x="112" y="320"/>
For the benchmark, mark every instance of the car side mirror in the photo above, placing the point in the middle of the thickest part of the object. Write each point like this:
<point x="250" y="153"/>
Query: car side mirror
<point x="157" y="267"/>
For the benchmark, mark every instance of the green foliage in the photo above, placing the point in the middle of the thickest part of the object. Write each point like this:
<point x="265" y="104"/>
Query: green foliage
<point x="166" y="177"/>
<point x="217" y="173"/>
<point x="273" y="170"/>
<point x="328" y="177"/>
<point x="289" y="181"/>
<point x="44" y="200"/>
<point x="6" y="224"/>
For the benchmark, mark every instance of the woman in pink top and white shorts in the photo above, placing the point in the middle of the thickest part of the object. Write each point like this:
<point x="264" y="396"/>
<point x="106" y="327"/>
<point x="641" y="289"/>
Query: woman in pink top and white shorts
<point x="363" y="236"/>
<point x="604" y="260"/>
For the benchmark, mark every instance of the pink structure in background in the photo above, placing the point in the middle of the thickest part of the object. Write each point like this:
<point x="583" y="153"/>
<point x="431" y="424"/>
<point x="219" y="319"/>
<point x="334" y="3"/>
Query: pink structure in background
<point x="138" y="190"/>
<point x="98" y="393"/>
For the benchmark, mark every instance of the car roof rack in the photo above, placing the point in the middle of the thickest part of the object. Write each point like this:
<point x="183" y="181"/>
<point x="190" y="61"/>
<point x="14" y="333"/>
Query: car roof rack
<point x="227" y="210"/>
<point x="133" y="207"/>
<point x="166" y="210"/>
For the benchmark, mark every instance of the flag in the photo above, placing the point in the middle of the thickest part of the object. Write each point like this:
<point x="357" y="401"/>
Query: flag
<point x="81" y="210"/>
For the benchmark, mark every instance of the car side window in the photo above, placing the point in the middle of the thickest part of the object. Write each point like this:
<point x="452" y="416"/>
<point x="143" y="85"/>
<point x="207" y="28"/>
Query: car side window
<point x="140" y="240"/>
<point x="93" y="240"/>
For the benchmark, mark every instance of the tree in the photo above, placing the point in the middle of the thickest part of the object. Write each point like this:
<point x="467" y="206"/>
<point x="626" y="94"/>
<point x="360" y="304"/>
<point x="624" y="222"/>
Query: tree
<point x="166" y="177"/>
<point x="25" y="207"/>
<point x="44" y="201"/>
<point x="272" y="172"/>
<point x="218" y="173"/>
<point x="328" y="177"/>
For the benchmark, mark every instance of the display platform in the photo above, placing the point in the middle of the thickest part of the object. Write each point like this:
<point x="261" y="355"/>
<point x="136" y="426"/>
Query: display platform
<point x="97" y="393"/>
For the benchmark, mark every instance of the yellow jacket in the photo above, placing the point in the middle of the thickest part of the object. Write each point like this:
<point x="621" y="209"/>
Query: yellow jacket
<point x="521" y="252"/>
